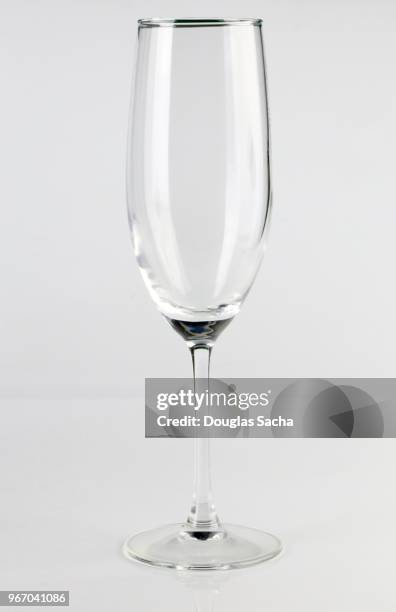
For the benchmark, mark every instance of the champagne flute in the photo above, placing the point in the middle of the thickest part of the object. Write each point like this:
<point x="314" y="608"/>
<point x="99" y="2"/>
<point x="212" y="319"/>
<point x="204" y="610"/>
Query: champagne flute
<point x="198" y="183"/>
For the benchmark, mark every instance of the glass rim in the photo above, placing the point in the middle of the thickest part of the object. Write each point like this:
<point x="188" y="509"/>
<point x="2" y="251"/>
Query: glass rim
<point x="155" y="22"/>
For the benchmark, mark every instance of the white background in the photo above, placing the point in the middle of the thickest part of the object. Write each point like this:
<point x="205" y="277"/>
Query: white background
<point x="79" y="332"/>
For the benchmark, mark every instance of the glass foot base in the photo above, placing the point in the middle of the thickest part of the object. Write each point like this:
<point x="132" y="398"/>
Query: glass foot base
<point x="177" y="547"/>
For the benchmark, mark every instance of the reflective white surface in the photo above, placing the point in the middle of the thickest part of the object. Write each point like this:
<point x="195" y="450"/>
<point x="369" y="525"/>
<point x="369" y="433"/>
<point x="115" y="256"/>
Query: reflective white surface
<point x="77" y="476"/>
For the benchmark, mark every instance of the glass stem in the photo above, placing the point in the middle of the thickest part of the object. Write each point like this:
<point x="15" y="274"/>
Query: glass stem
<point x="204" y="600"/>
<point x="202" y="515"/>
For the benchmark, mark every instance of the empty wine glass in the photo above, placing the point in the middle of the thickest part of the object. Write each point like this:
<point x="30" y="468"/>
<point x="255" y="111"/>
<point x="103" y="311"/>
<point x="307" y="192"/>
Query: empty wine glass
<point x="199" y="197"/>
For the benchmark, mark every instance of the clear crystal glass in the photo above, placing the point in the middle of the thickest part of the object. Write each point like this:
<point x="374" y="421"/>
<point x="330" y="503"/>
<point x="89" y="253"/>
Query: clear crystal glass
<point x="199" y="196"/>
